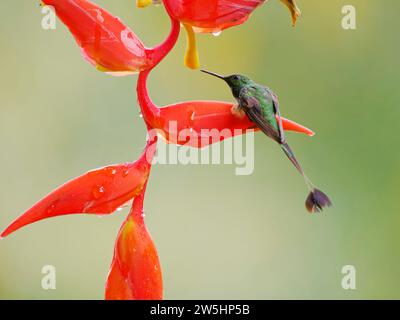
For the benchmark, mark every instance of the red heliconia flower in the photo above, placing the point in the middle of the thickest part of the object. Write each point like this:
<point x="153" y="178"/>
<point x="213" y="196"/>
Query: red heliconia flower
<point x="105" y="42"/>
<point x="112" y="47"/>
<point x="212" y="16"/>
<point x="202" y="122"/>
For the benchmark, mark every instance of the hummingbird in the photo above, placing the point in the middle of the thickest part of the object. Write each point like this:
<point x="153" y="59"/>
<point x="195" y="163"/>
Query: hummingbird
<point x="260" y="104"/>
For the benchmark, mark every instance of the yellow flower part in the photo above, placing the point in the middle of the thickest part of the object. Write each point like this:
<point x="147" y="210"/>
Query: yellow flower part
<point x="191" y="60"/>
<point x="145" y="3"/>
<point x="294" y="10"/>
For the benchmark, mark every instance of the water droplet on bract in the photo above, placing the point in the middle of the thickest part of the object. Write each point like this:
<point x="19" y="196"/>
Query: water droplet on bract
<point x="120" y="209"/>
<point x="98" y="192"/>
<point x="114" y="171"/>
<point x="50" y="209"/>
<point x="191" y="129"/>
<point x="99" y="16"/>
<point x="140" y="115"/>
<point x="217" y="33"/>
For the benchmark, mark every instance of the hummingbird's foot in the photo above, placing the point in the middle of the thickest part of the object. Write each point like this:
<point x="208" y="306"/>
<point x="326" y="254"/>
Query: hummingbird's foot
<point x="237" y="111"/>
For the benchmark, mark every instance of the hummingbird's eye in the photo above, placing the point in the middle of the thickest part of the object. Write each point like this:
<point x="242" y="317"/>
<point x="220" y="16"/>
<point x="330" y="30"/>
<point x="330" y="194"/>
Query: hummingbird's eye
<point x="235" y="78"/>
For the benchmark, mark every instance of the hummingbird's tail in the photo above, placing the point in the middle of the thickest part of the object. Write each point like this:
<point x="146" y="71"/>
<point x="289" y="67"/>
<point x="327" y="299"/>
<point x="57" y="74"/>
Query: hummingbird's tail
<point x="316" y="200"/>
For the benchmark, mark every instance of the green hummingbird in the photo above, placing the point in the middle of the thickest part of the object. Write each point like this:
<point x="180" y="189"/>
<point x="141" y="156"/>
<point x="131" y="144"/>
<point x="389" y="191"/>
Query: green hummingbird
<point x="260" y="104"/>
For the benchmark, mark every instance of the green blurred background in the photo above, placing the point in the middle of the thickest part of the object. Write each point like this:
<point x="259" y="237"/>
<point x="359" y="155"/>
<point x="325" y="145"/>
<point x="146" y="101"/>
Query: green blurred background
<point x="218" y="235"/>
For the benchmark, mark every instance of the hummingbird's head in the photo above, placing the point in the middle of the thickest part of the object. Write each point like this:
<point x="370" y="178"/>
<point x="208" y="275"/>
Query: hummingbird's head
<point x="235" y="81"/>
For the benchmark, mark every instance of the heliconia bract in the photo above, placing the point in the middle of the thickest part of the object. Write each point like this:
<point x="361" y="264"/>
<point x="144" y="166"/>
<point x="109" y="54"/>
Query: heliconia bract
<point x="135" y="272"/>
<point x="100" y="191"/>
<point x="105" y="42"/>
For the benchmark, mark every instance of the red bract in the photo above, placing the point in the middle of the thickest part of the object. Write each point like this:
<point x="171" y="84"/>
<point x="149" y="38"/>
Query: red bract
<point x="104" y="40"/>
<point x="135" y="270"/>
<point x="212" y="16"/>
<point x="100" y="191"/>
<point x="201" y="122"/>
<point x="217" y="15"/>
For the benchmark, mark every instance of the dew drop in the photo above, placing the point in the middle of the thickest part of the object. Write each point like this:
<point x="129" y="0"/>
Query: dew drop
<point x="99" y="16"/>
<point x="141" y="115"/>
<point x="217" y="33"/>
<point x="98" y="192"/>
<point x="120" y="209"/>
<point x="50" y="209"/>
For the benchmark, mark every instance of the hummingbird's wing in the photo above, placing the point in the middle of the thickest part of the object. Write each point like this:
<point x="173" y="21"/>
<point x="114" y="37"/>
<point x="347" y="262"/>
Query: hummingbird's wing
<point x="250" y="103"/>
<point x="278" y="114"/>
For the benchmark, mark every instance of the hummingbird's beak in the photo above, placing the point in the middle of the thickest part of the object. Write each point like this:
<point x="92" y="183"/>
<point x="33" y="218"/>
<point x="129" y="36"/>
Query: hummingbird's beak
<point x="213" y="74"/>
